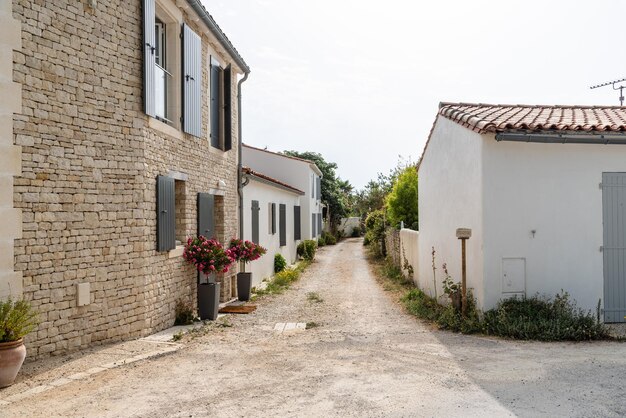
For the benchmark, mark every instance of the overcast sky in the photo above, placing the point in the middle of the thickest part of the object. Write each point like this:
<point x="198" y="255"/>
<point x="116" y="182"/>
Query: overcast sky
<point x="359" y="81"/>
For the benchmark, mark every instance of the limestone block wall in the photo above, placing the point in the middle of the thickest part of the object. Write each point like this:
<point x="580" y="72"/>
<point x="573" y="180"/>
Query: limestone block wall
<point x="87" y="191"/>
<point x="10" y="154"/>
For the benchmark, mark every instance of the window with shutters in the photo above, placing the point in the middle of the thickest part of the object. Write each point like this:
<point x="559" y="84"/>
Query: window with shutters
<point x="172" y="69"/>
<point x="220" y="106"/>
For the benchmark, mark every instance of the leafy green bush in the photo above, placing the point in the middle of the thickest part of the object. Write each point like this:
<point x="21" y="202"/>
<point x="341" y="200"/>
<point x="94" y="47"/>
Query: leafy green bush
<point x="279" y="263"/>
<point x="543" y="319"/>
<point x="329" y="239"/>
<point x="17" y="319"/>
<point x="184" y="313"/>
<point x="421" y="305"/>
<point x="375" y="232"/>
<point x="321" y="241"/>
<point x="356" y="231"/>
<point x="306" y="249"/>
<point x="401" y="203"/>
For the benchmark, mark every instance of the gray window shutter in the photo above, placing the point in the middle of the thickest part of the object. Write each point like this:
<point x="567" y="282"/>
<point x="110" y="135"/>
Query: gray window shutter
<point x="255" y="221"/>
<point x="319" y="223"/>
<point x="149" y="60"/>
<point x="192" y="82"/>
<point x="319" y="188"/>
<point x="216" y="73"/>
<point x="206" y="215"/>
<point x="273" y="218"/>
<point x="166" y="221"/>
<point x="282" y="227"/>
<point x="297" y="225"/>
<point x="228" y="113"/>
<point x="314" y="224"/>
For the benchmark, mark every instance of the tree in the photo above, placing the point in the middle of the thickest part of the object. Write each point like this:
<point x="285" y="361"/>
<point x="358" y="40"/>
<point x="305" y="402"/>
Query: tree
<point x="401" y="203"/>
<point x="336" y="193"/>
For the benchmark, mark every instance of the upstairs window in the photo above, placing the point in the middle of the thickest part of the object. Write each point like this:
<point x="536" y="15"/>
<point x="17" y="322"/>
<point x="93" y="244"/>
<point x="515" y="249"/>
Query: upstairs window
<point x="220" y="107"/>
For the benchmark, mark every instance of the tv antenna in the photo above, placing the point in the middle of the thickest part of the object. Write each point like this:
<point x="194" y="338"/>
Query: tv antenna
<point x="621" y="88"/>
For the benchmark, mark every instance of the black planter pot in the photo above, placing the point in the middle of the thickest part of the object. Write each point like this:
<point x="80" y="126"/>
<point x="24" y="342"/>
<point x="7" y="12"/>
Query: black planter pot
<point x="208" y="300"/>
<point x="244" y="286"/>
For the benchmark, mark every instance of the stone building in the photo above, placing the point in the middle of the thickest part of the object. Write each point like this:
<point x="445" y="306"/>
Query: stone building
<point x="115" y="118"/>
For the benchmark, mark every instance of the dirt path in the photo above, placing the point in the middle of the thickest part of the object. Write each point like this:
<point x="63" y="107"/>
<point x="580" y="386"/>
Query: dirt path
<point x="366" y="358"/>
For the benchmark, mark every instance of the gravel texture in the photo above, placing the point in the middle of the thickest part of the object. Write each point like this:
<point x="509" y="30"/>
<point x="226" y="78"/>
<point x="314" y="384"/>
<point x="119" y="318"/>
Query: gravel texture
<point x="365" y="357"/>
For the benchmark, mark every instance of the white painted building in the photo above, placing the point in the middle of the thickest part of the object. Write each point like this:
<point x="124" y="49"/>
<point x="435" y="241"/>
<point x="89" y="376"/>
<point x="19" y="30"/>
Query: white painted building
<point x="543" y="190"/>
<point x="296" y="172"/>
<point x="272" y="219"/>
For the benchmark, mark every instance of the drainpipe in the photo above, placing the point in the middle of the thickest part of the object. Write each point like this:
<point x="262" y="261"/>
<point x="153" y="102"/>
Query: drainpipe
<point x="240" y="184"/>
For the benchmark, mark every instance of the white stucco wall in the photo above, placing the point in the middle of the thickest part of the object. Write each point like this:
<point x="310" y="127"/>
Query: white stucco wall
<point x="347" y="225"/>
<point x="450" y="197"/>
<point x="552" y="189"/>
<point x="265" y="194"/>
<point x="296" y="173"/>
<point x="409" y="242"/>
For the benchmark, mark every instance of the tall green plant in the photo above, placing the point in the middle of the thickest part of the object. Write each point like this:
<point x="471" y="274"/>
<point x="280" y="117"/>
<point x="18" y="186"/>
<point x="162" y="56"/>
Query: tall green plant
<point x="401" y="203"/>
<point x="17" y="319"/>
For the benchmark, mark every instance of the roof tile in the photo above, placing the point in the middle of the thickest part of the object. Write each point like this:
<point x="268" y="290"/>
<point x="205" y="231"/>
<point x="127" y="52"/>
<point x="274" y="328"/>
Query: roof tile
<point x="484" y="118"/>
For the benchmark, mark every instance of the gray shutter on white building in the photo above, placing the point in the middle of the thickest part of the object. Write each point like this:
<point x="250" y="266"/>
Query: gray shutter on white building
<point x="192" y="82"/>
<point x="166" y="220"/>
<point x="228" y="112"/>
<point x="214" y="106"/>
<point x="297" y="223"/>
<point x="206" y="215"/>
<point x="272" y="218"/>
<point x="255" y="221"/>
<point x="149" y="58"/>
<point x="282" y="227"/>
<point x="313" y="225"/>
<point x="319" y="188"/>
<point x="319" y="223"/>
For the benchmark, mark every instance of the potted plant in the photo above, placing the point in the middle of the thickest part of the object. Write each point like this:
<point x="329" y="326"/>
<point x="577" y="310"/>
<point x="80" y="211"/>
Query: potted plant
<point x="16" y="320"/>
<point x="244" y="252"/>
<point x="209" y="257"/>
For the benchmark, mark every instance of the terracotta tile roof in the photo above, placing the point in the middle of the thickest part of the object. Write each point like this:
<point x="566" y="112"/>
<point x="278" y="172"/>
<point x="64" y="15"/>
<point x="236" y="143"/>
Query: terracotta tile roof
<point x="249" y="171"/>
<point x="484" y="118"/>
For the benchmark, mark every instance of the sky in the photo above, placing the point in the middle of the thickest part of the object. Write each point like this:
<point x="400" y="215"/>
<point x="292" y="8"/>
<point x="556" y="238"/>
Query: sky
<point x="359" y="81"/>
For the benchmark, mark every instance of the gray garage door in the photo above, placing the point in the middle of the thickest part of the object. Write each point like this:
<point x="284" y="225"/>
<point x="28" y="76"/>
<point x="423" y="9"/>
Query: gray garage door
<point x="614" y="222"/>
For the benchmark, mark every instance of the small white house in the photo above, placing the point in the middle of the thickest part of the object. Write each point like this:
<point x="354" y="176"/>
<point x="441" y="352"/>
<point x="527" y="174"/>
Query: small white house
<point x="297" y="172"/>
<point x="543" y="189"/>
<point x="272" y="219"/>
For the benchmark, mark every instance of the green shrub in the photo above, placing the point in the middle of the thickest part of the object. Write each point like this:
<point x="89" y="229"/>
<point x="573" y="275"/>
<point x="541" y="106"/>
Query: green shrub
<point x="329" y="239"/>
<point x="543" y="319"/>
<point x="451" y="319"/>
<point x="321" y="242"/>
<point x="17" y="319"/>
<point x="184" y="313"/>
<point x="279" y="263"/>
<point x="356" y="231"/>
<point x="375" y="232"/>
<point x="306" y="249"/>
<point x="422" y="305"/>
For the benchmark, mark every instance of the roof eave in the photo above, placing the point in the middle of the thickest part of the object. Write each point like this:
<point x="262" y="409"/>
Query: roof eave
<point x="217" y="32"/>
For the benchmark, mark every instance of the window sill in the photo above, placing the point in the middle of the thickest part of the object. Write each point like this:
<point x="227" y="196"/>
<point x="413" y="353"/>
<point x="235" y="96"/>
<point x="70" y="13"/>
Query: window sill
<point x="164" y="128"/>
<point x="176" y="252"/>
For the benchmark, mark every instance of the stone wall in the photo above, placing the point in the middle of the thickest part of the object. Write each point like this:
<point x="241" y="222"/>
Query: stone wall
<point x="392" y="243"/>
<point x="10" y="155"/>
<point x="90" y="160"/>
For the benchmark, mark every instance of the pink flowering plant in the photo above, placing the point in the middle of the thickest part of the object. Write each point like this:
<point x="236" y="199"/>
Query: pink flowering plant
<point x="208" y="255"/>
<point x="245" y="251"/>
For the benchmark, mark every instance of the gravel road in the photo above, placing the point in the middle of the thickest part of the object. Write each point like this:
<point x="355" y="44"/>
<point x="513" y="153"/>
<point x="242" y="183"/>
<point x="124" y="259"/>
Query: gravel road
<point x="365" y="358"/>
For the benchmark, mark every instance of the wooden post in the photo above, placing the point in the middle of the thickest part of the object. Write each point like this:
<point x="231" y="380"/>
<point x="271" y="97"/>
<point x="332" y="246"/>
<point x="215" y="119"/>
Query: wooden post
<point x="463" y="234"/>
<point x="463" y="280"/>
